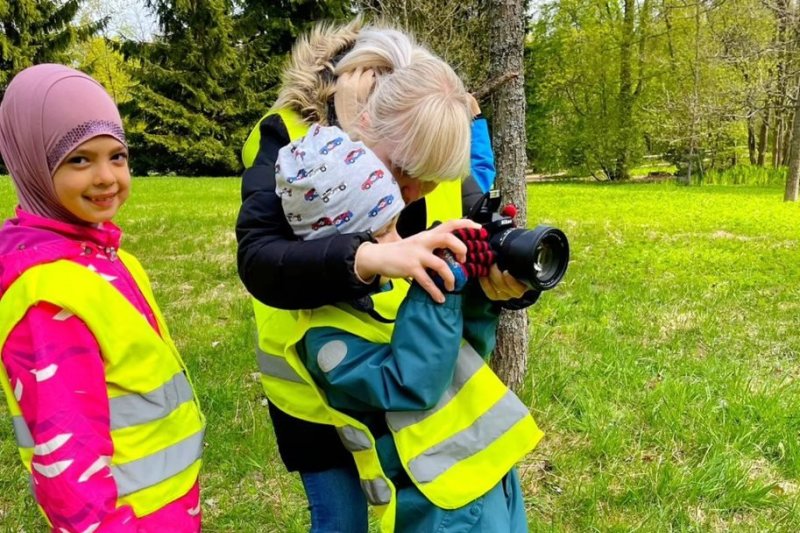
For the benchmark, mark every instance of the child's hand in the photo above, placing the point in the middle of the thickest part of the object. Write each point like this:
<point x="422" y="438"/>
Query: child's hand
<point x="413" y="256"/>
<point x="459" y="271"/>
<point x="474" y="107"/>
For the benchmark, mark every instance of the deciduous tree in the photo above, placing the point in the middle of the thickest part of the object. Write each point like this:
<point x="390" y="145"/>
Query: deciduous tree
<point x="507" y="39"/>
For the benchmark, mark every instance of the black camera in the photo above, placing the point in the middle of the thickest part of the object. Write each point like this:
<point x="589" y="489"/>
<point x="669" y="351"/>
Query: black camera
<point x="537" y="257"/>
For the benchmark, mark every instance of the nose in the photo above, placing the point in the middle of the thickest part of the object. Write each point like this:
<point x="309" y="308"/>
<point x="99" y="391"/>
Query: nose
<point x="104" y="174"/>
<point x="410" y="188"/>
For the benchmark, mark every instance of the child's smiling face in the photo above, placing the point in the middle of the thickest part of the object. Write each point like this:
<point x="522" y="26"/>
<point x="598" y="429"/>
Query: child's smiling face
<point x="94" y="180"/>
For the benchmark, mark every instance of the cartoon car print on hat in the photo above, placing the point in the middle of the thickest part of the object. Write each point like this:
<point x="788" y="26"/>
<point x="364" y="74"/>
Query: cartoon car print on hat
<point x="341" y="219"/>
<point x="285" y="191"/>
<point x="301" y="174"/>
<point x="381" y="205"/>
<point x="310" y="195"/>
<point x="353" y="155"/>
<point x="374" y="176"/>
<point x="321" y="223"/>
<point x="292" y="216"/>
<point x="330" y="145"/>
<point x="326" y="196"/>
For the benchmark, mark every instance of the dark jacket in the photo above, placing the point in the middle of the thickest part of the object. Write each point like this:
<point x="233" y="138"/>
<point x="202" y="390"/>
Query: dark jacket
<point x="284" y="272"/>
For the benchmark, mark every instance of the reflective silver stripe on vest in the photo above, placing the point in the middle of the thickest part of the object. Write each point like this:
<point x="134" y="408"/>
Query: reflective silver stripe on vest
<point x="489" y="427"/>
<point x="134" y="409"/>
<point x="23" y="434"/>
<point x="277" y="367"/>
<point x="467" y="364"/>
<point x="354" y="439"/>
<point x="377" y="491"/>
<point x="159" y="466"/>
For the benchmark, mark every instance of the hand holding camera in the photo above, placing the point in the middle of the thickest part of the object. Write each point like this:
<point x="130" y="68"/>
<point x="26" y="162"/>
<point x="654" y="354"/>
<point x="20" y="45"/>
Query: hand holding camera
<point x="537" y="257"/>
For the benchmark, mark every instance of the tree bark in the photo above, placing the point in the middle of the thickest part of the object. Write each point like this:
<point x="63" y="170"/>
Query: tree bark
<point x="751" y="139"/>
<point x="507" y="36"/>
<point x="625" y="97"/>
<point x="793" y="175"/>
<point x="776" y="142"/>
<point x="763" y="134"/>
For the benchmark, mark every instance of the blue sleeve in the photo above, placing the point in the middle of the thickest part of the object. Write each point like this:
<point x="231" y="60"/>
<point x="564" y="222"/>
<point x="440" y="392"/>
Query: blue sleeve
<point x="480" y="320"/>
<point x="410" y="373"/>
<point x="481" y="156"/>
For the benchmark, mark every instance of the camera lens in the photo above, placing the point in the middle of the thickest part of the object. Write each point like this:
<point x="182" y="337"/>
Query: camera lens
<point x="537" y="257"/>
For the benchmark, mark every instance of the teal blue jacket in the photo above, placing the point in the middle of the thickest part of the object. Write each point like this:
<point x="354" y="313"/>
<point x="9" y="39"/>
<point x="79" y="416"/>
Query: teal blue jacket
<point x="411" y="373"/>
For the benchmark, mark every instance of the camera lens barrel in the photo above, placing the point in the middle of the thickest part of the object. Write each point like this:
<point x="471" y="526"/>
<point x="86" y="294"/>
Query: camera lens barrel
<point x="537" y="257"/>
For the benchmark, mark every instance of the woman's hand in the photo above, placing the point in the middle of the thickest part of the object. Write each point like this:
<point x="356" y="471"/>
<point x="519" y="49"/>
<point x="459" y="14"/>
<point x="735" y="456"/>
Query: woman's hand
<point x="352" y="92"/>
<point x="413" y="257"/>
<point x="474" y="107"/>
<point x="500" y="286"/>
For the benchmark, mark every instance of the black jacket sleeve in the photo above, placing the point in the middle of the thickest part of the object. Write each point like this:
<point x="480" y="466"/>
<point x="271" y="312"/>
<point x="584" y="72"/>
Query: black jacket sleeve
<point x="277" y="268"/>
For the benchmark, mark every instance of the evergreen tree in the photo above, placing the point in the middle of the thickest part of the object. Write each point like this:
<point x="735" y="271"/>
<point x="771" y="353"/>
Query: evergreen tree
<point x="267" y="31"/>
<point x="204" y="81"/>
<point x="187" y="112"/>
<point x="39" y="31"/>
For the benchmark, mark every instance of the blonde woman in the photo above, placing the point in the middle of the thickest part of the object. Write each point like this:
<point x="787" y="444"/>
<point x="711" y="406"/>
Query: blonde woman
<point x="412" y="111"/>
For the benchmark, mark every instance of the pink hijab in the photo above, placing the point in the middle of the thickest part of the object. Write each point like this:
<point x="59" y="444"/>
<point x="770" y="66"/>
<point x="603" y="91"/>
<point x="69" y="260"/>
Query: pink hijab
<point x="47" y="111"/>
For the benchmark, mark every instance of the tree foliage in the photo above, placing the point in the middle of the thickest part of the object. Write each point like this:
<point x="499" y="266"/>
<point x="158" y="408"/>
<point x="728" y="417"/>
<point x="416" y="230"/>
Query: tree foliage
<point x="207" y="77"/>
<point x="698" y="81"/>
<point x="39" y="31"/>
<point x="455" y="29"/>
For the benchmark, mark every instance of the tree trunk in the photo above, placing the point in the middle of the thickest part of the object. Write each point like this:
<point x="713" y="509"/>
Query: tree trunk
<point x="625" y="97"/>
<point x="751" y="139"/>
<point x="776" y="142"/>
<point x="763" y="134"/>
<point x="507" y="36"/>
<point x="788" y="135"/>
<point x="793" y="175"/>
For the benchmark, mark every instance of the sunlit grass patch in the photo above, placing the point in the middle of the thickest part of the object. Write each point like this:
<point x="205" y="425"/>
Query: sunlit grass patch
<point x="665" y="365"/>
<point x="664" y="368"/>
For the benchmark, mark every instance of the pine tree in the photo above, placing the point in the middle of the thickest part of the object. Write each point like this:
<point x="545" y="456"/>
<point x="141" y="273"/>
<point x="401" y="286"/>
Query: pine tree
<point x="39" y="31"/>
<point x="186" y="114"/>
<point x="268" y="30"/>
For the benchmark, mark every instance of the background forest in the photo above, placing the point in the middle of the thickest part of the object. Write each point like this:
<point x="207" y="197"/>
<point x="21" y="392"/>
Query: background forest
<point x="614" y="89"/>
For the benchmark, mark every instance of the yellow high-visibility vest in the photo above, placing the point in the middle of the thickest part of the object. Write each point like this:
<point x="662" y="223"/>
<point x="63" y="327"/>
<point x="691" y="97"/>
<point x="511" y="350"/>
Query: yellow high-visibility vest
<point x="155" y="419"/>
<point x="476" y="397"/>
<point x="458" y="450"/>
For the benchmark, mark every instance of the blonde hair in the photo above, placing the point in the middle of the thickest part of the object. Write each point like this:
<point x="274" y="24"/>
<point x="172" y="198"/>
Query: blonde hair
<point x="418" y="105"/>
<point x="308" y="82"/>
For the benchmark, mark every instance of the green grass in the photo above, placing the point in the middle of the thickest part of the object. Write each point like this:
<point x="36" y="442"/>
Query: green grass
<point x="663" y="368"/>
<point x="743" y="175"/>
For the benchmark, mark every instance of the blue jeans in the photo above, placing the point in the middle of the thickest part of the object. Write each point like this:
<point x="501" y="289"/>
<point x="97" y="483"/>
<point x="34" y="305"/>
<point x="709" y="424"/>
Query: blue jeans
<point x="336" y="501"/>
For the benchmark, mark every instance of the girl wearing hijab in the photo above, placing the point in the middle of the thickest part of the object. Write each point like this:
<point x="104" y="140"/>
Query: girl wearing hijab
<point x="104" y="413"/>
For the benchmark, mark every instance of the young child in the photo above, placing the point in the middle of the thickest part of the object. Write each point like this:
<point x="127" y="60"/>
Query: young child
<point x="105" y="417"/>
<point x="433" y="431"/>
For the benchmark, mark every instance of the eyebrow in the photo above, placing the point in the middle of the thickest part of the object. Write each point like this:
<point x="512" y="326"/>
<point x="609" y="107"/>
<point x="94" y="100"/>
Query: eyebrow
<point x="86" y="151"/>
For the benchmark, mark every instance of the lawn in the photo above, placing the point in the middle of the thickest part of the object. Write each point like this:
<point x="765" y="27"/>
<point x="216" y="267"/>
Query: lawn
<point x="663" y="368"/>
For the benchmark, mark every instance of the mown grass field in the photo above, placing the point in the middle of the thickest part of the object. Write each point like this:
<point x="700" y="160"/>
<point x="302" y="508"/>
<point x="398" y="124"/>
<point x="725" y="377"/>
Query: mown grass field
<point x="664" y="369"/>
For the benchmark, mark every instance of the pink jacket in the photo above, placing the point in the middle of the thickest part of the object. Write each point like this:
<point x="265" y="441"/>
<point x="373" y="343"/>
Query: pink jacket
<point x="56" y="371"/>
